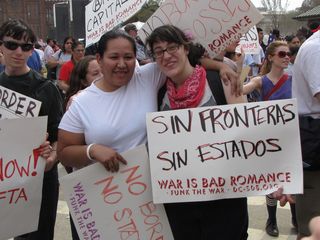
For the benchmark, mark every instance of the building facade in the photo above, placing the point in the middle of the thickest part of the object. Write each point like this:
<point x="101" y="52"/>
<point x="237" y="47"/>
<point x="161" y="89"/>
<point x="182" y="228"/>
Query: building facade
<point x="47" y="18"/>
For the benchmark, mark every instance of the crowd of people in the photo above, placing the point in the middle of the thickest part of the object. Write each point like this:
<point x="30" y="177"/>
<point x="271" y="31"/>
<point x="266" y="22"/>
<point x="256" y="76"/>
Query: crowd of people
<point x="88" y="100"/>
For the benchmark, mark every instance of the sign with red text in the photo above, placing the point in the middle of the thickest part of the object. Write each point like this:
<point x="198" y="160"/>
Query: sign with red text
<point x="102" y="16"/>
<point x="214" y="24"/>
<point x="116" y="206"/>
<point x="21" y="174"/>
<point x="249" y="42"/>
<point x="16" y="105"/>
<point x="228" y="151"/>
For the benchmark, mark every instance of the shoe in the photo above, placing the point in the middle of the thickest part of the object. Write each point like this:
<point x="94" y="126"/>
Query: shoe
<point x="272" y="229"/>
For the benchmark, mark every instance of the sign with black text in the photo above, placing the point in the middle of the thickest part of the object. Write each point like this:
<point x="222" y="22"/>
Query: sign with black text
<point x="228" y="151"/>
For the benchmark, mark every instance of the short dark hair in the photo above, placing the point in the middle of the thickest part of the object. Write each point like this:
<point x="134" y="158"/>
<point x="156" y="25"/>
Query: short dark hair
<point x="17" y="29"/>
<point x="170" y="34"/>
<point x="129" y="27"/>
<point x="259" y="29"/>
<point x="111" y="35"/>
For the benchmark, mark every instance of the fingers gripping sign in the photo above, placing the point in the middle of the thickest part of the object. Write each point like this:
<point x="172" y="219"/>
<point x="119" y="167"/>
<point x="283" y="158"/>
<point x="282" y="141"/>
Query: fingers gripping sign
<point x="108" y="157"/>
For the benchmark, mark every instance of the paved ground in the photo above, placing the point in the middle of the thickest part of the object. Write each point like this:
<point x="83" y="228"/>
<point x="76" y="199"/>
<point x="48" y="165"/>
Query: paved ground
<point x="257" y="212"/>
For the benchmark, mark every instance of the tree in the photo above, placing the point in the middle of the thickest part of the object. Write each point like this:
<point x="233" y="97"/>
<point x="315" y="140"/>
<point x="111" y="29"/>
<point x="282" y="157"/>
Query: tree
<point x="275" y="9"/>
<point x="309" y="4"/>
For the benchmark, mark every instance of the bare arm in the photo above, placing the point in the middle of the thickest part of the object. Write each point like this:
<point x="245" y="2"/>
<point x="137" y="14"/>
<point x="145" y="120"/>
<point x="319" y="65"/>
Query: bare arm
<point x="72" y="152"/>
<point x="227" y="75"/>
<point x="254" y="84"/>
<point x="63" y="86"/>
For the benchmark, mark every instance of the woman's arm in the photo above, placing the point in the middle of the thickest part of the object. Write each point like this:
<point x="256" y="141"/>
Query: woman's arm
<point x="227" y="75"/>
<point x="254" y="84"/>
<point x="73" y="152"/>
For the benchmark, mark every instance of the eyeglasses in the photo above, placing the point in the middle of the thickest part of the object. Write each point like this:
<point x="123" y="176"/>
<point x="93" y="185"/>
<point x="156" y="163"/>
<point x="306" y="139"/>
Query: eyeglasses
<point x="283" y="54"/>
<point x="158" y="53"/>
<point x="14" y="45"/>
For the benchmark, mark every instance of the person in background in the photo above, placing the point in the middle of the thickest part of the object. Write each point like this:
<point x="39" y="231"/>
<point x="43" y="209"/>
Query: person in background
<point x="293" y="41"/>
<point x="272" y="75"/>
<point x="77" y="51"/>
<point x="260" y="37"/>
<point x="306" y="88"/>
<point x="83" y="74"/>
<point x="187" y="87"/>
<point x="61" y="56"/>
<point x="34" y="61"/>
<point x="293" y="51"/>
<point x="16" y="44"/>
<point x="48" y="53"/>
<point x="142" y="52"/>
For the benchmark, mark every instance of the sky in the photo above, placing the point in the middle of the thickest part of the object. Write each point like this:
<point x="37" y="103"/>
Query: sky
<point x="292" y="3"/>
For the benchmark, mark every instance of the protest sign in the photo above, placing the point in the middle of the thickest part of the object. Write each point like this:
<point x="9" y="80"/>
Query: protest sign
<point x="21" y="174"/>
<point x="214" y="24"/>
<point x="102" y="16"/>
<point x="16" y="105"/>
<point x="107" y="205"/>
<point x="225" y="151"/>
<point x="249" y="42"/>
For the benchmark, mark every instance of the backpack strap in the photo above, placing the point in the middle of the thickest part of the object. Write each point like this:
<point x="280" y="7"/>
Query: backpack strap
<point x="216" y="87"/>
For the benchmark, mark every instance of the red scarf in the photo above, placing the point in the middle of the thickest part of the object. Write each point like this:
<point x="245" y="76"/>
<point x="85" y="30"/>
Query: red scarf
<point x="188" y="95"/>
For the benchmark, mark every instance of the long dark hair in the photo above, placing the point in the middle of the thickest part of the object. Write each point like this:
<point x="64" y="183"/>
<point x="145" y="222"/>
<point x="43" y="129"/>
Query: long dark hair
<point x="78" y="79"/>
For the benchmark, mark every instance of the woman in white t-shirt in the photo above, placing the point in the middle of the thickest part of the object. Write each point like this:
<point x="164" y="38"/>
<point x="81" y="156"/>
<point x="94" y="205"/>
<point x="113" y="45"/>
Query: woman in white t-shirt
<point x="95" y="127"/>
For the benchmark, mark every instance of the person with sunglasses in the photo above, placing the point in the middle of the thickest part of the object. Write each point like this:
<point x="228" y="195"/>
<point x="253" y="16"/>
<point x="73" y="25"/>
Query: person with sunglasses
<point x="274" y="84"/>
<point x="16" y="43"/>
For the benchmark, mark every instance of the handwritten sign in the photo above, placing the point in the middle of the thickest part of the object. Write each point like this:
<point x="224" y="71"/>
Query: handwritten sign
<point x="21" y="174"/>
<point x="215" y="24"/>
<point x="115" y="206"/>
<point x="249" y="42"/>
<point x="224" y="151"/>
<point x="16" y="105"/>
<point x="102" y="16"/>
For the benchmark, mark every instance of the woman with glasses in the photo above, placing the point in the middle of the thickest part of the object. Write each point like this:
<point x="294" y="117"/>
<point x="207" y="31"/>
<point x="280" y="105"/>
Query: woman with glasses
<point x="274" y="84"/>
<point x="188" y="87"/>
<point x="77" y="50"/>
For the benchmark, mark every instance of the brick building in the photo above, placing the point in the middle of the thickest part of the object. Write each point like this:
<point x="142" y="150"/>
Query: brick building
<point x="39" y="14"/>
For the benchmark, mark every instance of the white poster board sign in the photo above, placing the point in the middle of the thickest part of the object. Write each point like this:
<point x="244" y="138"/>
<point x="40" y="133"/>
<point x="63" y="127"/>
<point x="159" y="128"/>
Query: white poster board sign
<point x="102" y="16"/>
<point x="107" y="205"/>
<point x="249" y="42"/>
<point x="16" y="105"/>
<point x="225" y="151"/>
<point x="214" y="24"/>
<point x="21" y="174"/>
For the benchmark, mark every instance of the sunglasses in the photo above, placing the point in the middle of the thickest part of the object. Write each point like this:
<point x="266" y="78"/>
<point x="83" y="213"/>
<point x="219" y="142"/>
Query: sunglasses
<point x="283" y="54"/>
<point x="14" y="45"/>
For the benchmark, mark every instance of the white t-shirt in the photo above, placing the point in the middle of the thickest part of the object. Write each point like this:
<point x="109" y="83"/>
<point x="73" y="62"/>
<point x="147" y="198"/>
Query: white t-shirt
<point x="306" y="77"/>
<point x="48" y="52"/>
<point x="116" y="119"/>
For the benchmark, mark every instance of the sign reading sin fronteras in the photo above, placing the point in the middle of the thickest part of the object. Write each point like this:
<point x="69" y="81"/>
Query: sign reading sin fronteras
<point x="225" y="151"/>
